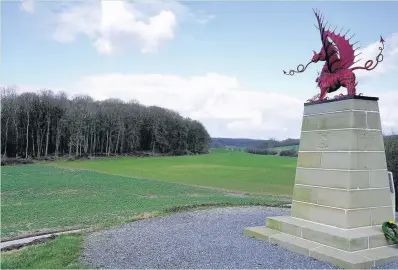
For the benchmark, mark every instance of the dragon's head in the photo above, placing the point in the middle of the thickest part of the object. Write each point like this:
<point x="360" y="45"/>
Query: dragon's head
<point x="321" y="56"/>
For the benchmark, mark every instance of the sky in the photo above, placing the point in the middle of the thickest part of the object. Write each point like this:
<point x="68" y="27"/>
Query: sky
<point x="217" y="62"/>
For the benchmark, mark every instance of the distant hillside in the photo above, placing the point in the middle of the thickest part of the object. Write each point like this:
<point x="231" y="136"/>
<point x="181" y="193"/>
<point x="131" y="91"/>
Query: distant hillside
<point x="251" y="143"/>
<point x="239" y="143"/>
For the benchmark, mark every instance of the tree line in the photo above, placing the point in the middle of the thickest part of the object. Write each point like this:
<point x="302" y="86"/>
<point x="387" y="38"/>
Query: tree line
<point x="251" y="143"/>
<point x="271" y="143"/>
<point x="272" y="152"/>
<point x="37" y="125"/>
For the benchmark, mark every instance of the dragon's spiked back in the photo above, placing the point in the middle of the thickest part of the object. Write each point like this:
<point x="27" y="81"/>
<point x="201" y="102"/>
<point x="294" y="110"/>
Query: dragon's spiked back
<point x="339" y="53"/>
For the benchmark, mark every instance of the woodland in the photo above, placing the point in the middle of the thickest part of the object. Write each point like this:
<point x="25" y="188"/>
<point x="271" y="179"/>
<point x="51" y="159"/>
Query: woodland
<point x="45" y="123"/>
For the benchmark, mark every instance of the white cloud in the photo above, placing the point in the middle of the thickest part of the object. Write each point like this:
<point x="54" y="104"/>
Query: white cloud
<point x="220" y="102"/>
<point x="390" y="60"/>
<point x="114" y="26"/>
<point x="28" y="6"/>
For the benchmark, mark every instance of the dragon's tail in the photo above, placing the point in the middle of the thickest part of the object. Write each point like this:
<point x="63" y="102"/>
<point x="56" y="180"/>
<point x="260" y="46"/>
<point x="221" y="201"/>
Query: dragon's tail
<point x="379" y="58"/>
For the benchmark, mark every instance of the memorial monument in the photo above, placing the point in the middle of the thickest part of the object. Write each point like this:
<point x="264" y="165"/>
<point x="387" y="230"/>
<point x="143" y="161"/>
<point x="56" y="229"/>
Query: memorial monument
<point x="341" y="193"/>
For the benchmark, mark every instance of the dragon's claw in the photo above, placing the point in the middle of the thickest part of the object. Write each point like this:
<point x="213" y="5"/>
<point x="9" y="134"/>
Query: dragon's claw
<point x="311" y="100"/>
<point x="339" y="96"/>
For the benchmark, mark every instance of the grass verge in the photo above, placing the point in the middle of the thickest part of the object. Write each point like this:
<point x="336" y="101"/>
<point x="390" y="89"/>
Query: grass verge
<point x="60" y="253"/>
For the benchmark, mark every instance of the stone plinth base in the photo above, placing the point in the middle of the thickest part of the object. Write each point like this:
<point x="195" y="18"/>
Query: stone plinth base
<point x="354" y="248"/>
<point x="341" y="193"/>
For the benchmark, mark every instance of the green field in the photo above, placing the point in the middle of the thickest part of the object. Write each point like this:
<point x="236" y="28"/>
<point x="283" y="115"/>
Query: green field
<point x="39" y="198"/>
<point x="104" y="192"/>
<point x="231" y="170"/>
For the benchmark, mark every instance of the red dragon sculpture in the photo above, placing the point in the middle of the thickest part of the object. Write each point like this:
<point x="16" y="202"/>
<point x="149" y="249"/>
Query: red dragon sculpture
<point x="339" y="55"/>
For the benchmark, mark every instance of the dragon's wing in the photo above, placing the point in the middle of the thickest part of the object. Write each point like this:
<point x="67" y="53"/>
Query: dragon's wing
<point x="345" y="50"/>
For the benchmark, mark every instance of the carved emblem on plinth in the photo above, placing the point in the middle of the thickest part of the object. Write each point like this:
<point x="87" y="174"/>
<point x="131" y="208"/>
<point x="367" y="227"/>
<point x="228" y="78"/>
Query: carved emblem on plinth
<point x="323" y="137"/>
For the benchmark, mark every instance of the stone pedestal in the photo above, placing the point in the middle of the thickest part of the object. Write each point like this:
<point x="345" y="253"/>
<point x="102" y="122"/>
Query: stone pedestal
<point x="341" y="194"/>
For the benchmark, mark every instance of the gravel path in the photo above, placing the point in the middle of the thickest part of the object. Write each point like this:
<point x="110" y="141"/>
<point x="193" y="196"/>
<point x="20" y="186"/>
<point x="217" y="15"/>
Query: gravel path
<point x="200" y="239"/>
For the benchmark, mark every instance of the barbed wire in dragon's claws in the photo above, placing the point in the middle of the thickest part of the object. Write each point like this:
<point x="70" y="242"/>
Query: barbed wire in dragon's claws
<point x="300" y="68"/>
<point x="379" y="58"/>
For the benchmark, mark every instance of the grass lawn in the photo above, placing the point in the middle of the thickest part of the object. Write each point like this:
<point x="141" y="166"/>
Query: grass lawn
<point x="61" y="253"/>
<point x="231" y="170"/>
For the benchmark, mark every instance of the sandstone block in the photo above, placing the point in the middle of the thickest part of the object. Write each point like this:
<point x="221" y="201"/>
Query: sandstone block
<point x="378" y="179"/>
<point x="286" y="225"/>
<point x="342" y="140"/>
<point x="382" y="214"/>
<point x="354" y="160"/>
<point x="260" y="232"/>
<point x="338" y="120"/>
<point x="341" y="258"/>
<point x="320" y="214"/>
<point x="373" y="120"/>
<point x="381" y="255"/>
<point x="309" y="160"/>
<point x="379" y="240"/>
<point x="350" y="199"/>
<point x="328" y="237"/>
<point x="305" y="194"/>
<point x="334" y="178"/>
<point x="357" y="218"/>
<point x="293" y="243"/>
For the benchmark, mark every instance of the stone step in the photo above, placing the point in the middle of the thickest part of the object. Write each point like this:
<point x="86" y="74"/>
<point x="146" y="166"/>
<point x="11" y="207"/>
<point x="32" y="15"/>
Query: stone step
<point x="382" y="255"/>
<point x="293" y="243"/>
<point x="344" y="259"/>
<point x="364" y="259"/>
<point x="347" y="240"/>
<point x="260" y="232"/>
